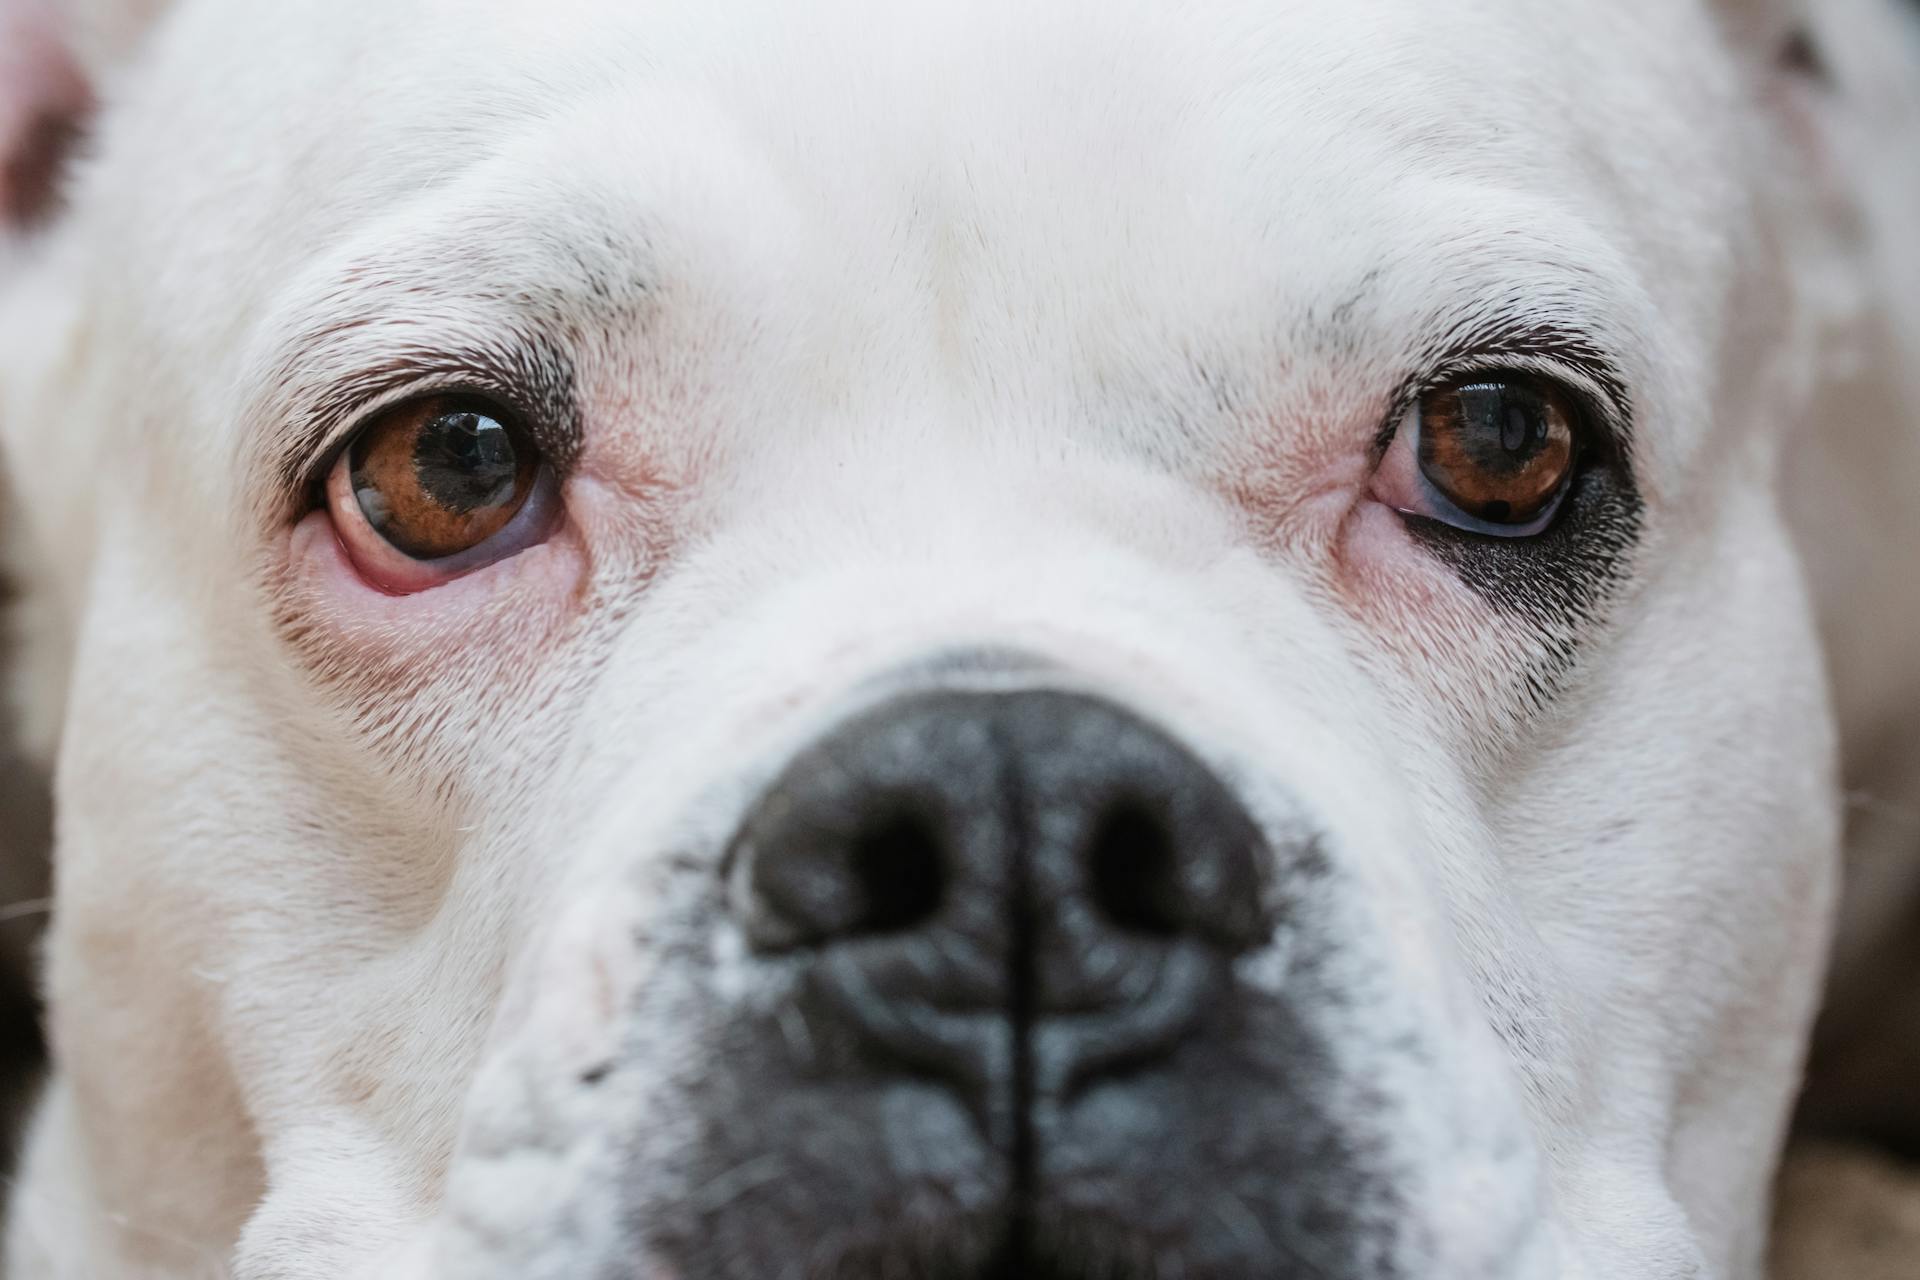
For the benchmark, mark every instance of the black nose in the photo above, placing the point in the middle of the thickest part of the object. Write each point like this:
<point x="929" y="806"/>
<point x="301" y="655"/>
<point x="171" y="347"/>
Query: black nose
<point x="1016" y="891"/>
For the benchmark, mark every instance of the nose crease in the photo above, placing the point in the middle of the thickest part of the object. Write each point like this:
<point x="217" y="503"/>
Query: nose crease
<point x="1170" y="999"/>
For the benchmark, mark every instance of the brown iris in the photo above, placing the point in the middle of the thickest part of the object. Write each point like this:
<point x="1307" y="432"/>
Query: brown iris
<point x="441" y="475"/>
<point x="1501" y="449"/>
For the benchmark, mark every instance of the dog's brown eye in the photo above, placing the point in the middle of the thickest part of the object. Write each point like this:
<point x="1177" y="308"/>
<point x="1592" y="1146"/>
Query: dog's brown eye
<point x="1499" y="450"/>
<point x="439" y="476"/>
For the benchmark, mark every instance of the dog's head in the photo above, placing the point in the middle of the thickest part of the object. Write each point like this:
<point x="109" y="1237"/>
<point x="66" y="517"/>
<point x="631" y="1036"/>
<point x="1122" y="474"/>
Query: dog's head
<point x="979" y="640"/>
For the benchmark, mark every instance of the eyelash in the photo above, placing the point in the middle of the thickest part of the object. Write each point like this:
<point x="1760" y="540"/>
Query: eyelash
<point x="1608" y="423"/>
<point x="348" y="424"/>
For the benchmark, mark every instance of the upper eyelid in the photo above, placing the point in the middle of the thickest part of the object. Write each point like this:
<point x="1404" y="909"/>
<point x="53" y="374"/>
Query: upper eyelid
<point x="1592" y="395"/>
<point x="321" y="447"/>
<point x="1569" y="356"/>
<point x="534" y="382"/>
<point x="380" y="314"/>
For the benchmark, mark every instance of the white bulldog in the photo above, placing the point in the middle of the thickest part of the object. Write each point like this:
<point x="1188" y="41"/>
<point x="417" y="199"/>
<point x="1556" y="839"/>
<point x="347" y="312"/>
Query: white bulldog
<point x="768" y="641"/>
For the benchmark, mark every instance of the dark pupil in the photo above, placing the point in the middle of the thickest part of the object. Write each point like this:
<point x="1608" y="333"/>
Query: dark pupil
<point x="465" y="461"/>
<point x="1504" y="427"/>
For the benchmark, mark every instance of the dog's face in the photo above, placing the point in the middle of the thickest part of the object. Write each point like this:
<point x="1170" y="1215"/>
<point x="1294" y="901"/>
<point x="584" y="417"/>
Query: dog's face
<point x="835" y="640"/>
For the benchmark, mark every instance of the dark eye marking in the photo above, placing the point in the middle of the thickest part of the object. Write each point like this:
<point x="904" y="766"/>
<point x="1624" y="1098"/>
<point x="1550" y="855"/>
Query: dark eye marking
<point x="1564" y="576"/>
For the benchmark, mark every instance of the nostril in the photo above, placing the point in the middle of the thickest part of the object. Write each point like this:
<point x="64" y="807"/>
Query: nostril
<point x="898" y="860"/>
<point x="1134" y="870"/>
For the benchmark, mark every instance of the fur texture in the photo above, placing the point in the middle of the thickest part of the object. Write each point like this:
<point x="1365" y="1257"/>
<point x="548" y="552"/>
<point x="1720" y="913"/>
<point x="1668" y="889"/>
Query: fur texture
<point x="391" y="937"/>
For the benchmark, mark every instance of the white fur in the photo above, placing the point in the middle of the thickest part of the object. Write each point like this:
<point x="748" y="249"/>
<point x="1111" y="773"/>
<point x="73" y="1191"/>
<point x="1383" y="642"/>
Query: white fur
<point x="911" y="302"/>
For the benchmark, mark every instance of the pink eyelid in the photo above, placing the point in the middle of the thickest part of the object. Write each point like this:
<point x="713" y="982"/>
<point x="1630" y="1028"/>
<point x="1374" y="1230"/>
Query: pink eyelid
<point x="1397" y="481"/>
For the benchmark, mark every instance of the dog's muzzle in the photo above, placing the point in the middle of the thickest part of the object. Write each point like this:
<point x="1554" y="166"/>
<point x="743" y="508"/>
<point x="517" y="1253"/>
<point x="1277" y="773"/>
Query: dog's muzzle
<point x="995" y="1027"/>
<point x="996" y="982"/>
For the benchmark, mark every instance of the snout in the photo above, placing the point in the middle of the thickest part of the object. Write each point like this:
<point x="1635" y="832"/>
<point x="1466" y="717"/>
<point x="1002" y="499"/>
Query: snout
<point x="1017" y="894"/>
<point x="1001" y="1031"/>
<point x="993" y="980"/>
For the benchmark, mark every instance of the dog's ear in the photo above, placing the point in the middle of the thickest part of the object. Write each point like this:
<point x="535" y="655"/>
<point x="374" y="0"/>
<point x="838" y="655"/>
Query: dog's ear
<point x="1777" y="35"/>
<point x="1850" y="110"/>
<point x="1838" y="82"/>
<point x="43" y="100"/>
<point x="1866" y="120"/>
<point x="56" y="58"/>
<point x="1800" y="58"/>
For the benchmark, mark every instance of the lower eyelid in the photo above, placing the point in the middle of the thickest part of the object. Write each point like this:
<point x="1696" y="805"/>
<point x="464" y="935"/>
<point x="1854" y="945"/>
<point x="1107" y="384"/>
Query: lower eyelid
<point x="1460" y="520"/>
<point x="337" y="615"/>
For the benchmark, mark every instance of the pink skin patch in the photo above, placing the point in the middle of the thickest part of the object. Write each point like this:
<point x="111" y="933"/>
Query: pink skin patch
<point x="1316" y="496"/>
<point x="1320" y="501"/>
<point x="1396" y="481"/>
<point x="323" y="563"/>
